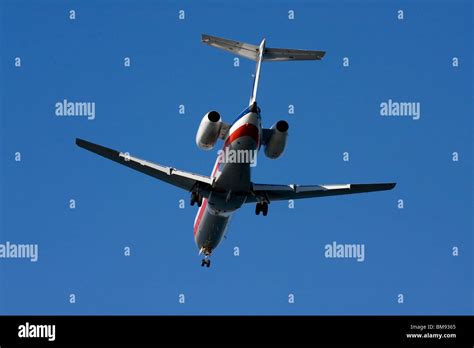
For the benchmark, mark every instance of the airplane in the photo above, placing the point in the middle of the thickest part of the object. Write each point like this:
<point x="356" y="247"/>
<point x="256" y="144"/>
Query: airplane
<point x="229" y="186"/>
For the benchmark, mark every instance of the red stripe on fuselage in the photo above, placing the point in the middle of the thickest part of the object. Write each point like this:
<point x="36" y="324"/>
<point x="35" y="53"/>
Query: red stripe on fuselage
<point x="201" y="211"/>
<point x="216" y="166"/>
<point x="246" y="130"/>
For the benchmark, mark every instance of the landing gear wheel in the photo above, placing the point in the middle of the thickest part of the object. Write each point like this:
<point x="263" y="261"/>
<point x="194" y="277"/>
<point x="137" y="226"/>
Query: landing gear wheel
<point x="206" y="262"/>
<point x="199" y="200"/>
<point x="196" y="198"/>
<point x="261" y="207"/>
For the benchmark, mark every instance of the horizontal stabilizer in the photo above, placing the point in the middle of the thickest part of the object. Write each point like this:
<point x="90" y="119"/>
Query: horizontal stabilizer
<point x="252" y="52"/>
<point x="239" y="48"/>
<point x="284" y="54"/>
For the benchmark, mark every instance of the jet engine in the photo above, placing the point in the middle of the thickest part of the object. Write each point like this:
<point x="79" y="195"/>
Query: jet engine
<point x="209" y="130"/>
<point x="275" y="145"/>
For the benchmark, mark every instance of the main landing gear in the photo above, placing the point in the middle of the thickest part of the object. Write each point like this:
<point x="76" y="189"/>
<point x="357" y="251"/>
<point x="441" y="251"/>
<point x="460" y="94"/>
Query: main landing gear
<point x="196" y="198"/>
<point x="261" y="207"/>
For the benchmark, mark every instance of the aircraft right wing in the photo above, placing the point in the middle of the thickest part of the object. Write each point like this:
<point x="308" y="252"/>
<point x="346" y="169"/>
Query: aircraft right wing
<point x="265" y="192"/>
<point x="184" y="180"/>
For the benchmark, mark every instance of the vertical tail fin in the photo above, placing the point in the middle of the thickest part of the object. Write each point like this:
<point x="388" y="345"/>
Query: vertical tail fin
<point x="256" y="78"/>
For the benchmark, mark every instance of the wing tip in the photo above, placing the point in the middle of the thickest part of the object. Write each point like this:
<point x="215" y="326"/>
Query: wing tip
<point x="86" y="144"/>
<point x="359" y="188"/>
<point x="387" y="186"/>
<point x="80" y="142"/>
<point x="98" y="149"/>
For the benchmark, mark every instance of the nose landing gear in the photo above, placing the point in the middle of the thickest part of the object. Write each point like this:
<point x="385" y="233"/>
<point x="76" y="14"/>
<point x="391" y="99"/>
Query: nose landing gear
<point x="261" y="207"/>
<point x="206" y="262"/>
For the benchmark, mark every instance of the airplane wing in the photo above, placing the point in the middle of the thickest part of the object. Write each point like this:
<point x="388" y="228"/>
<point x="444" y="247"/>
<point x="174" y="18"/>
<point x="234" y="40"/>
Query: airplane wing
<point x="173" y="176"/>
<point x="271" y="193"/>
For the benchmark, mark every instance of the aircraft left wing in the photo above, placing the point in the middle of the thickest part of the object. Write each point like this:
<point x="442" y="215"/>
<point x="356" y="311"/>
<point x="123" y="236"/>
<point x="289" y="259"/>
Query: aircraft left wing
<point x="184" y="180"/>
<point x="269" y="193"/>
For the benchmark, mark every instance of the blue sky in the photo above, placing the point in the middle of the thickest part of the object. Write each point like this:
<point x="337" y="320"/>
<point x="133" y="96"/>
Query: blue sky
<point x="407" y="251"/>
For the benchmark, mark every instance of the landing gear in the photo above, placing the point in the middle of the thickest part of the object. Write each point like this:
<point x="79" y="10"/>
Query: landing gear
<point x="196" y="198"/>
<point x="261" y="207"/>
<point x="206" y="262"/>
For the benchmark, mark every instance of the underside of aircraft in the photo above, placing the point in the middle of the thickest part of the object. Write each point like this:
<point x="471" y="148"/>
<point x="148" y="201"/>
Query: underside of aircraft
<point x="229" y="186"/>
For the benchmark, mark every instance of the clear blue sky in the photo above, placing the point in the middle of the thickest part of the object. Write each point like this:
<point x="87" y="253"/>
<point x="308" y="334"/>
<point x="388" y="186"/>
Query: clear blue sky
<point x="407" y="251"/>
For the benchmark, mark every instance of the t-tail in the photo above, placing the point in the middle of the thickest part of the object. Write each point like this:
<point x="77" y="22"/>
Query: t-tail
<point x="260" y="54"/>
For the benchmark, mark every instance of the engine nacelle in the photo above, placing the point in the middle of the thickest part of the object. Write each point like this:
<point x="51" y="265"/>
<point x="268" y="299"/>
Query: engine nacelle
<point x="276" y="143"/>
<point x="208" y="131"/>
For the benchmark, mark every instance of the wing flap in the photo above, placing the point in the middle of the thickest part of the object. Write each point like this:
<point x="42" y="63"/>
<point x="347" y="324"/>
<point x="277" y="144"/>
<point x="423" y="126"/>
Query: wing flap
<point x="170" y="175"/>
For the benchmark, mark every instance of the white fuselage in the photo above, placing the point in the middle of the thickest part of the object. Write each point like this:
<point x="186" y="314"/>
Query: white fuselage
<point x="232" y="181"/>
